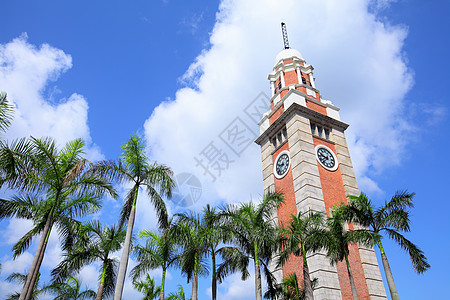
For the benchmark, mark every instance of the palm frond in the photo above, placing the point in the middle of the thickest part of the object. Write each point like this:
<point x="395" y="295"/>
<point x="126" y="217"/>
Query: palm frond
<point x="111" y="169"/>
<point x="111" y="266"/>
<point x="6" y="112"/>
<point x="418" y="259"/>
<point x="24" y="242"/>
<point x="160" y="207"/>
<point x="127" y="205"/>
<point x="233" y="261"/>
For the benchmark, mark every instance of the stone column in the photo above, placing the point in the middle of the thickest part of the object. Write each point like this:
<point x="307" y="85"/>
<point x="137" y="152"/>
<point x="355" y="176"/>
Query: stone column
<point x="283" y="84"/>
<point x="311" y="79"/>
<point x="309" y="197"/>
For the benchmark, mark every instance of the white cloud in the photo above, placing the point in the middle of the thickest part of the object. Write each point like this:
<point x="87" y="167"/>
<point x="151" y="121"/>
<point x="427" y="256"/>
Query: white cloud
<point x="8" y="288"/>
<point x="20" y="264"/>
<point x="26" y="71"/>
<point x="359" y="65"/>
<point x="16" y="229"/>
<point x="235" y="288"/>
<point x="53" y="252"/>
<point x="89" y="276"/>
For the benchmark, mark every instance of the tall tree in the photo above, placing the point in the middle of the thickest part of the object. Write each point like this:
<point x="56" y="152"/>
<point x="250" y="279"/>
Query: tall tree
<point x="160" y="250"/>
<point x="94" y="243"/>
<point x="256" y="236"/>
<point x="299" y="240"/>
<point x="212" y="233"/>
<point x="336" y="242"/>
<point x="70" y="290"/>
<point x="56" y="187"/>
<point x="389" y="219"/>
<point x="190" y="234"/>
<point x="148" y="288"/>
<point x="135" y="168"/>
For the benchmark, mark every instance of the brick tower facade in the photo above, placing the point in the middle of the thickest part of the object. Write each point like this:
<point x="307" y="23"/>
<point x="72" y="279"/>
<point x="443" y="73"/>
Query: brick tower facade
<point x="305" y="156"/>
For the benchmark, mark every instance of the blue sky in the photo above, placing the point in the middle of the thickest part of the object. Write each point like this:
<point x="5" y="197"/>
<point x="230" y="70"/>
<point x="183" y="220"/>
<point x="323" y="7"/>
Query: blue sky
<point x="179" y="73"/>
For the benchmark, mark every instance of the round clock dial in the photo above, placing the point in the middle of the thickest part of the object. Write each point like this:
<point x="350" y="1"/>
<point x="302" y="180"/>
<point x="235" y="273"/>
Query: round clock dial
<point x="326" y="157"/>
<point x="282" y="163"/>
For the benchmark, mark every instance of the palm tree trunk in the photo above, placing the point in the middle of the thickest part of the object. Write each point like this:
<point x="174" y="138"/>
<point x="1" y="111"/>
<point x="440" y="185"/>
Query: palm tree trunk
<point x="102" y="283"/>
<point x="194" y="287"/>
<point x="35" y="264"/>
<point x="258" y="289"/>
<point x="126" y="251"/>
<point x="161" y="293"/>
<point x="388" y="272"/>
<point x="195" y="279"/>
<point x="214" y="277"/>
<point x="352" y="281"/>
<point x="306" y="279"/>
<point x="36" y="271"/>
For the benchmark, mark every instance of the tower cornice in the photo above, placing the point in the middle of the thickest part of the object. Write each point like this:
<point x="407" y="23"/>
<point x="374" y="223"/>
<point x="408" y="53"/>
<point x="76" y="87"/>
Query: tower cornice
<point x="305" y="68"/>
<point x="294" y="108"/>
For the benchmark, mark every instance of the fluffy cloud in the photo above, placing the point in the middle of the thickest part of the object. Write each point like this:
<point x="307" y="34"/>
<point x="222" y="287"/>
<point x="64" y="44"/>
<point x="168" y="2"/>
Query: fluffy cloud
<point x="15" y="229"/>
<point x="20" y="265"/>
<point x="25" y="73"/>
<point x="359" y="65"/>
<point x="235" y="288"/>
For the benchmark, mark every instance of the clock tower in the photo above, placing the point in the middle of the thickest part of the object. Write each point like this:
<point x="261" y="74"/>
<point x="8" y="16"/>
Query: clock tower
<point x="305" y="156"/>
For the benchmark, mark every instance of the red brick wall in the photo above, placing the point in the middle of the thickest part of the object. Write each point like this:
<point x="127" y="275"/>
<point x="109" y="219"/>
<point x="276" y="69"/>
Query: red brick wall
<point x="276" y="114"/>
<point x="290" y="77"/>
<point x="316" y="107"/>
<point x="334" y="194"/>
<point x="286" y="186"/>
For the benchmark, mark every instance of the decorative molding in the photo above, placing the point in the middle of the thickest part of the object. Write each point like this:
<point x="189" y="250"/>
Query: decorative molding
<point x="293" y="109"/>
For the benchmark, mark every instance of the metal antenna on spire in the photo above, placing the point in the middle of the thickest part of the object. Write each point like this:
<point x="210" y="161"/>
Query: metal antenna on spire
<point x="285" y="35"/>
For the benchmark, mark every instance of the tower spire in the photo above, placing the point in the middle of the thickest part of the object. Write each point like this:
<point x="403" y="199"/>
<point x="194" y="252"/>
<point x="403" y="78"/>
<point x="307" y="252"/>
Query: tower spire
<point x="285" y="35"/>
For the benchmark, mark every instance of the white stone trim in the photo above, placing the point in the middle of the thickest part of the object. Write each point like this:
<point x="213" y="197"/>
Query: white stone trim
<point x="336" y="163"/>
<point x="293" y="98"/>
<point x="310" y="92"/>
<point x="275" y="164"/>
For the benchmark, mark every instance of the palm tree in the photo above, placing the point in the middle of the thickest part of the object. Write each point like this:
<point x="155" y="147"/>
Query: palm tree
<point x="160" y="250"/>
<point x="134" y="167"/>
<point x="336" y="241"/>
<point x="20" y="279"/>
<point x="257" y="237"/>
<point x="148" y="288"/>
<point x="70" y="290"/>
<point x="212" y="233"/>
<point x="179" y="295"/>
<point x="190" y="235"/>
<point x="57" y="188"/>
<point x="95" y="243"/>
<point x="300" y="236"/>
<point x="390" y="219"/>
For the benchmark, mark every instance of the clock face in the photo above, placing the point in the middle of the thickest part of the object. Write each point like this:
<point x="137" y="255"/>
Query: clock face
<point x="326" y="157"/>
<point x="282" y="163"/>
